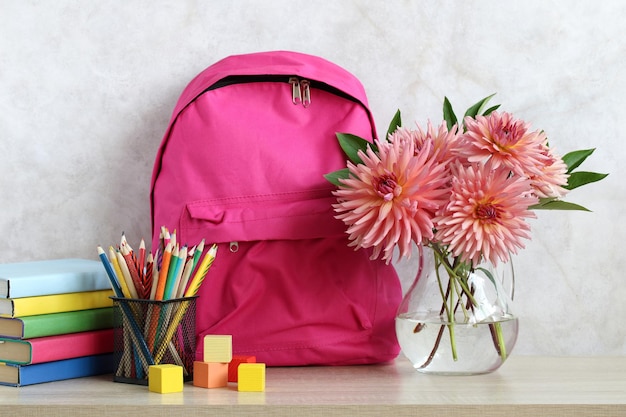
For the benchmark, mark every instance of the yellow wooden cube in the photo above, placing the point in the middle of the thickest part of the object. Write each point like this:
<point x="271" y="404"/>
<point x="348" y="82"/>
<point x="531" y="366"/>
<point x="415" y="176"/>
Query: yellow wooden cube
<point x="233" y="366"/>
<point x="251" y="377"/>
<point x="218" y="348"/>
<point x="165" y="378"/>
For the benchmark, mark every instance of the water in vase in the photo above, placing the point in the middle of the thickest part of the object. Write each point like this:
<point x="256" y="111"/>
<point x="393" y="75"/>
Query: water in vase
<point x="479" y="348"/>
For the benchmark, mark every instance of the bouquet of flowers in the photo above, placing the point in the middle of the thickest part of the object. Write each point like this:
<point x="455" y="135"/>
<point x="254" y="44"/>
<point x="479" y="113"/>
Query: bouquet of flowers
<point x="465" y="188"/>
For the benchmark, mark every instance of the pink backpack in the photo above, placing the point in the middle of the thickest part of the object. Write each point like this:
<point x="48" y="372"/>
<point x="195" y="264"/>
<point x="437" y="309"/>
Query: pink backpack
<point x="241" y="165"/>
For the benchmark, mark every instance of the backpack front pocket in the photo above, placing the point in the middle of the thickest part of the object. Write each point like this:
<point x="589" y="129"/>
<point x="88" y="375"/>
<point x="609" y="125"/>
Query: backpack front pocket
<point x="292" y="216"/>
<point x="276" y="296"/>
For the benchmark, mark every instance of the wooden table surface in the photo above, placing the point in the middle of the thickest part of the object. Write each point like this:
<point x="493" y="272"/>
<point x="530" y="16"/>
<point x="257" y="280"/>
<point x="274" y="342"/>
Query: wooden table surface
<point x="524" y="386"/>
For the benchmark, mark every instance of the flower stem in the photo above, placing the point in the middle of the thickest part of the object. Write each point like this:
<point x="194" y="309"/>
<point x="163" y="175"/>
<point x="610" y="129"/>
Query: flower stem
<point x="458" y="293"/>
<point x="452" y="341"/>
<point x="448" y="296"/>
<point x="434" y="350"/>
<point x="498" y="338"/>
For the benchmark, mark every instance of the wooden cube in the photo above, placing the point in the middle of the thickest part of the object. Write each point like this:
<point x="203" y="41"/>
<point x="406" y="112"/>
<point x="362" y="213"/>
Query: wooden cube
<point x="251" y="377"/>
<point x="218" y="348"/>
<point x="165" y="378"/>
<point x="234" y="365"/>
<point x="210" y="374"/>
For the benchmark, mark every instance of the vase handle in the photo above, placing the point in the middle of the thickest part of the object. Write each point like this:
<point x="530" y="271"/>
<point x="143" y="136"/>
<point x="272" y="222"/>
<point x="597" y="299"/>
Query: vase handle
<point x="512" y="289"/>
<point x="420" y="262"/>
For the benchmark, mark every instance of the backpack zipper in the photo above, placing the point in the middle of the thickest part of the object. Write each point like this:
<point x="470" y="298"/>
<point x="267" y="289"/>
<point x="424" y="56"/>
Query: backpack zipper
<point x="300" y="88"/>
<point x="300" y="91"/>
<point x="296" y="90"/>
<point x="306" y="93"/>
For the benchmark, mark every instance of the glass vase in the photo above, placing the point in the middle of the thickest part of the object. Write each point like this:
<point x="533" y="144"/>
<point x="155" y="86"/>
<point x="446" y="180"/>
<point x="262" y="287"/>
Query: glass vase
<point x="456" y="319"/>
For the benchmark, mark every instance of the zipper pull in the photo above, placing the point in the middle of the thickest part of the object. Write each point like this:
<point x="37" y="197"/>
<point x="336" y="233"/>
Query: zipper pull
<point x="306" y="93"/>
<point x="296" y="97"/>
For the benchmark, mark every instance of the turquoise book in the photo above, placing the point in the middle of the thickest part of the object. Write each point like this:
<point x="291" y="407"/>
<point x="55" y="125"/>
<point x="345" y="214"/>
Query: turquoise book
<point x="55" y="276"/>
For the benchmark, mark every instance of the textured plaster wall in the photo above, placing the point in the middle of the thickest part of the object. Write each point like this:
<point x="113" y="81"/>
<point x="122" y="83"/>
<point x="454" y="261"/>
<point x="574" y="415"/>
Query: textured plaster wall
<point x="87" y="88"/>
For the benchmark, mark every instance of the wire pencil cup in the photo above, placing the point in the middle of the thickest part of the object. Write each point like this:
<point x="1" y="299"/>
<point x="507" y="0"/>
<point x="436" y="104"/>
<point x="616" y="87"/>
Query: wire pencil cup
<point x="151" y="332"/>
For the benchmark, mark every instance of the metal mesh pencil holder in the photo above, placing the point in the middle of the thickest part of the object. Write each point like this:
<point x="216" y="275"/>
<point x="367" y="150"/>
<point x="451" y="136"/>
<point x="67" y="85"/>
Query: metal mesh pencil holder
<point x="151" y="332"/>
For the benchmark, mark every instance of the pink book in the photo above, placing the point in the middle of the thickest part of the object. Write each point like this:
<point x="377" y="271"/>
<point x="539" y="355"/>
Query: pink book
<point x="57" y="347"/>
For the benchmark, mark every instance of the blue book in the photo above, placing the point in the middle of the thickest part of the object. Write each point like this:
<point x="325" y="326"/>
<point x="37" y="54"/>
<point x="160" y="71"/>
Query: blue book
<point x="20" y="375"/>
<point x="57" y="276"/>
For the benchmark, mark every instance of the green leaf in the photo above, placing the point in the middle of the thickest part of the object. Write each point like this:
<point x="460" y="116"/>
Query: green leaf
<point x="351" y="144"/>
<point x="491" y="110"/>
<point x="475" y="109"/>
<point x="448" y="113"/>
<point x="396" y="122"/>
<point x="575" y="158"/>
<point x="333" y="177"/>
<point x="553" y="204"/>
<point x="580" y="178"/>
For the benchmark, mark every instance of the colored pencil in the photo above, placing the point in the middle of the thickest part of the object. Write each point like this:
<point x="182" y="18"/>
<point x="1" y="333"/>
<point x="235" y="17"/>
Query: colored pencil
<point x="166" y="236"/>
<point x="110" y="272"/>
<point x="176" y="263"/>
<point x="126" y="274"/>
<point x="197" y="253"/>
<point x="147" y="277"/>
<point x="165" y="264"/>
<point x="131" y="265"/>
<point x="180" y="267"/>
<point x="118" y="272"/>
<point x="185" y="278"/>
<point x="155" y="277"/>
<point x="201" y="272"/>
<point x="141" y="261"/>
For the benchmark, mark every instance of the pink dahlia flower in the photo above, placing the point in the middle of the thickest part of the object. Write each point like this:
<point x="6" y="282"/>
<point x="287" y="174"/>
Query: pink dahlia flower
<point x="552" y="178"/>
<point x="444" y="141"/>
<point x="505" y="141"/>
<point x="486" y="215"/>
<point x="391" y="198"/>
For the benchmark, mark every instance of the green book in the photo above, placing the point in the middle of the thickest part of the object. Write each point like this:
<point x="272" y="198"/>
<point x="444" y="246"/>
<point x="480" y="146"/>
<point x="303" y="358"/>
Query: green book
<point x="56" y="323"/>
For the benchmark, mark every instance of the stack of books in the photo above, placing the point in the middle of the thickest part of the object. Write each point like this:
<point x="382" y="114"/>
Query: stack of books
<point x="56" y="321"/>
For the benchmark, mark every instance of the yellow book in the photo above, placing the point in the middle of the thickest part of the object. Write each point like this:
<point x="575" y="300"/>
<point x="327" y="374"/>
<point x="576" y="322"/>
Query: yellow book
<point x="56" y="303"/>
